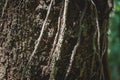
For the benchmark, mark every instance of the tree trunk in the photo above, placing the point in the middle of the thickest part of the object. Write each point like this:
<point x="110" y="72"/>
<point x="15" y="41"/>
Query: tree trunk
<point x="54" y="39"/>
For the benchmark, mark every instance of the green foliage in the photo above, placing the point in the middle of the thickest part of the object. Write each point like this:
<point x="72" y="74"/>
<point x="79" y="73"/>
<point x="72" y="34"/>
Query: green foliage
<point x="114" y="41"/>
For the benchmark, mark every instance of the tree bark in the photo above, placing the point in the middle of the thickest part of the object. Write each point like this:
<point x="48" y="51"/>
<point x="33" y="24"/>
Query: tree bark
<point x="71" y="45"/>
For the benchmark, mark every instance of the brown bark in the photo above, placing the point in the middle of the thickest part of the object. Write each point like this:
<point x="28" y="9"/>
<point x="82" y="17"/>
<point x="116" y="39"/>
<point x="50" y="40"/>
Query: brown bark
<point x="73" y="45"/>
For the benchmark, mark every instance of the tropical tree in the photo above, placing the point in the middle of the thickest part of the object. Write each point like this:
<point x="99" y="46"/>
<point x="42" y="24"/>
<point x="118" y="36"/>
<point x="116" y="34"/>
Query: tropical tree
<point x="54" y="39"/>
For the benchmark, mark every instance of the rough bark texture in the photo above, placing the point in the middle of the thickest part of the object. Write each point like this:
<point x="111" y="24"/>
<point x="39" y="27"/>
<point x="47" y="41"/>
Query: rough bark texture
<point x="74" y="51"/>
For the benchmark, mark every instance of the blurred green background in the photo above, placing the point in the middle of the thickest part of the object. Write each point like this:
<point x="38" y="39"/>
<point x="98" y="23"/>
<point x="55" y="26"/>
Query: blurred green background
<point x="114" y="41"/>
